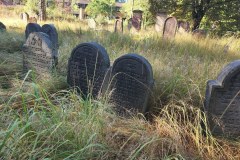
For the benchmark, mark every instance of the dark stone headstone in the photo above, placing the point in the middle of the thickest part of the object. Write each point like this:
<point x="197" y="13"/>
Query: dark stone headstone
<point x="222" y="103"/>
<point x="170" y="27"/>
<point x="137" y="19"/>
<point x="118" y="25"/>
<point x="38" y="53"/>
<point x="87" y="67"/>
<point x="130" y="84"/>
<point x="2" y="27"/>
<point x="32" y="27"/>
<point x="51" y="31"/>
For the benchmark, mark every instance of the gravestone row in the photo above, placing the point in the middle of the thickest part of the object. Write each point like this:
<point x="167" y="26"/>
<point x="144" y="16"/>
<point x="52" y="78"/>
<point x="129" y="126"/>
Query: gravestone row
<point x="128" y="81"/>
<point x="40" y="49"/>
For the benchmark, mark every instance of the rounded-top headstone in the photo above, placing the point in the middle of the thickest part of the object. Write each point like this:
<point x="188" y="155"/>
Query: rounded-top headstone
<point x="87" y="67"/>
<point x="32" y="27"/>
<point x="51" y="31"/>
<point x="131" y="84"/>
<point x="170" y="27"/>
<point x="222" y="102"/>
<point x="2" y="27"/>
<point x="38" y="53"/>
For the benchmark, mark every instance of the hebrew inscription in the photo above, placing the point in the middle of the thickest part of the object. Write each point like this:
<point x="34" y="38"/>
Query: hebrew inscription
<point x="87" y="67"/>
<point x="222" y="102"/>
<point x="131" y="83"/>
<point x="38" y="53"/>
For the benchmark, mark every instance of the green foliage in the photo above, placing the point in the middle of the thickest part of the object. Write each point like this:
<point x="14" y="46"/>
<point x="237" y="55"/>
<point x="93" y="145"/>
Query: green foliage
<point x="32" y="6"/>
<point x="144" y="6"/>
<point x="100" y="7"/>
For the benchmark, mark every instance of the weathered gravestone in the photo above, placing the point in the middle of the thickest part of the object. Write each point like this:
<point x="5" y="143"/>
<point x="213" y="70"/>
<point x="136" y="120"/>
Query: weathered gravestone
<point x="118" y="25"/>
<point x="32" y="27"/>
<point x="24" y="16"/>
<point x="199" y="33"/>
<point x="160" y="19"/>
<point x="87" y="67"/>
<point x="2" y="27"/>
<point x="92" y="23"/>
<point x="137" y="19"/>
<point x="130" y="84"/>
<point x="183" y="26"/>
<point x="51" y="31"/>
<point x="170" y="27"/>
<point x="222" y="103"/>
<point x="38" y="53"/>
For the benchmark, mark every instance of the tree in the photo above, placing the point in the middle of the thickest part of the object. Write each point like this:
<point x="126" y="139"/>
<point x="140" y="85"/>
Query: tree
<point x="100" y="7"/>
<point x="196" y="10"/>
<point x="42" y="10"/>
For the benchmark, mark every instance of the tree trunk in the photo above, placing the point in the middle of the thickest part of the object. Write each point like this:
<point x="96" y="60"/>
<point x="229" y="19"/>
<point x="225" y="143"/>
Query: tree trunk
<point x="199" y="8"/>
<point x="42" y="10"/>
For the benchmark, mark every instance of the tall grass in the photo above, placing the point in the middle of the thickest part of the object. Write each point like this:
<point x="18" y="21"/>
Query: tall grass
<point x="43" y="118"/>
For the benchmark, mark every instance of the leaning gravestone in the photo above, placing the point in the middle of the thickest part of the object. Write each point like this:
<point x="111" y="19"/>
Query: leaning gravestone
<point x="51" y="31"/>
<point x="2" y="27"/>
<point x="32" y="27"/>
<point x="38" y="53"/>
<point x="130" y="84"/>
<point x="222" y="102"/>
<point x="170" y="27"/>
<point x="87" y="67"/>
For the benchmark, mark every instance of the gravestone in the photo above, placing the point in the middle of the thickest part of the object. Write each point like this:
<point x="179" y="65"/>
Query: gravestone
<point x="87" y="67"/>
<point x="199" y="33"/>
<point x="160" y="19"/>
<point x="170" y="27"/>
<point x="2" y="27"/>
<point x="222" y="103"/>
<point x="24" y="16"/>
<point x="32" y="27"/>
<point x="183" y="26"/>
<point x="92" y="23"/>
<point x="129" y="26"/>
<point x="137" y="19"/>
<point x="51" y="31"/>
<point x="38" y="53"/>
<point x="118" y="25"/>
<point x="131" y="84"/>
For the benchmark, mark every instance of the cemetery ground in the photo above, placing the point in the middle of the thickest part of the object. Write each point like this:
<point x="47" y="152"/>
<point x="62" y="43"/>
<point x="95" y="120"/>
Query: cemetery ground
<point x="44" y="118"/>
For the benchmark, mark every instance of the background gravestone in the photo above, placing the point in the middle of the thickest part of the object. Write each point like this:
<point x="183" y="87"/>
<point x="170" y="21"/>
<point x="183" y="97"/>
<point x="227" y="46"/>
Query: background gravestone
<point x="222" y="102"/>
<point x="92" y="23"/>
<point x="199" y="33"/>
<point x="131" y="83"/>
<point x="137" y="19"/>
<point x="118" y="25"/>
<point x="24" y="16"/>
<point x="160" y="19"/>
<point x="38" y="53"/>
<point x="87" y="67"/>
<point x="2" y="27"/>
<point x="32" y="27"/>
<point x="51" y="31"/>
<point x="170" y="27"/>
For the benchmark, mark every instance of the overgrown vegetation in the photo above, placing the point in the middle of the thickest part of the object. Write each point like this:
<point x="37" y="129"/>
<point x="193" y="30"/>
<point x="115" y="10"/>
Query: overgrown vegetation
<point x="44" y="118"/>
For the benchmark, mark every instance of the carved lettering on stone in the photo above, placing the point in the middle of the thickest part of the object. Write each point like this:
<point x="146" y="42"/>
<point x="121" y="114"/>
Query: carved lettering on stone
<point x="222" y="102"/>
<point x="131" y="83"/>
<point x="87" y="67"/>
<point x="38" y="53"/>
